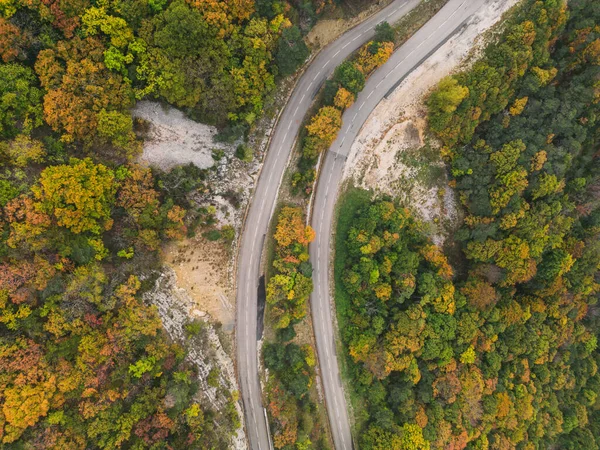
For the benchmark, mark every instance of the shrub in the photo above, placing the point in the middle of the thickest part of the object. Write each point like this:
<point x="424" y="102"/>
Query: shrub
<point x="244" y="152"/>
<point x="212" y="235"/>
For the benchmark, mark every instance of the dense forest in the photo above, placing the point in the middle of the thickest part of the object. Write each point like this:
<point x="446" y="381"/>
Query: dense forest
<point x="84" y="362"/>
<point x="216" y="59"/>
<point x="494" y="346"/>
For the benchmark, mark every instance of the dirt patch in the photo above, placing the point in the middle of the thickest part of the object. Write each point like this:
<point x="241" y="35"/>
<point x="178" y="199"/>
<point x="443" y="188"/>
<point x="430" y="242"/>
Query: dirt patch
<point x="199" y="266"/>
<point x="393" y="155"/>
<point x="328" y="30"/>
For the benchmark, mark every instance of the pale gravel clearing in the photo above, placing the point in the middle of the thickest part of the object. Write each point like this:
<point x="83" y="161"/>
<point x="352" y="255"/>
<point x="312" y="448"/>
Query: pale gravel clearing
<point x="392" y="155"/>
<point x="175" y="139"/>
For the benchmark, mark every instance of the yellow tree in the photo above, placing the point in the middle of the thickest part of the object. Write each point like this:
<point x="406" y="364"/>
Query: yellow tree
<point x="291" y="229"/>
<point x="326" y="124"/>
<point x="343" y="99"/>
<point x="518" y="106"/>
<point x="79" y="195"/>
<point x="373" y="55"/>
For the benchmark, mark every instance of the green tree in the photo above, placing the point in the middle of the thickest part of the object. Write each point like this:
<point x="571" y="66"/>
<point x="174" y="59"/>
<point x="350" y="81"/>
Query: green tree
<point x="347" y="75"/>
<point x="291" y="51"/>
<point x="117" y="128"/>
<point x="20" y="100"/>
<point x="378" y="439"/>
<point x="384" y="32"/>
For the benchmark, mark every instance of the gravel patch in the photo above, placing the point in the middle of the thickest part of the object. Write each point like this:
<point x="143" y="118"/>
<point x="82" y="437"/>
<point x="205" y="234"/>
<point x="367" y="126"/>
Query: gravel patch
<point x="174" y="139"/>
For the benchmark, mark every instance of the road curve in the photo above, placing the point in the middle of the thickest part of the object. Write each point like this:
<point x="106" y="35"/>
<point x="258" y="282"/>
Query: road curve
<point x="446" y="23"/>
<point x="263" y="204"/>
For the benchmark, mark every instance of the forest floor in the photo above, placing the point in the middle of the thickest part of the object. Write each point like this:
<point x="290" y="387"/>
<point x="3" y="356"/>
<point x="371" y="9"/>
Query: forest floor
<point x="393" y="155"/>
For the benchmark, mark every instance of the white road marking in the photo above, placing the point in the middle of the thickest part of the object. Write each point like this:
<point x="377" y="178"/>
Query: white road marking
<point x="325" y="65"/>
<point x="429" y="37"/>
<point x="336" y="53"/>
<point x="361" y="106"/>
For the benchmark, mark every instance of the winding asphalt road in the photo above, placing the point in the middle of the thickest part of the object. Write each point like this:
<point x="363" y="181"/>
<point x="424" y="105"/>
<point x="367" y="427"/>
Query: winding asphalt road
<point x="263" y="205"/>
<point x="445" y="24"/>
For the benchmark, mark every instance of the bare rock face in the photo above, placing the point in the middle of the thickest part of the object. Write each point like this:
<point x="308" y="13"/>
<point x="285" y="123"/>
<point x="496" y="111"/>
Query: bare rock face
<point x="173" y="139"/>
<point x="186" y="324"/>
<point x="394" y="155"/>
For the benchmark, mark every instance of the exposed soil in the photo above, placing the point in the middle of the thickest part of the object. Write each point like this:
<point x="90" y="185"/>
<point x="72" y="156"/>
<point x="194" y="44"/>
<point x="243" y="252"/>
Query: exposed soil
<point x="328" y="30"/>
<point x="200" y="266"/>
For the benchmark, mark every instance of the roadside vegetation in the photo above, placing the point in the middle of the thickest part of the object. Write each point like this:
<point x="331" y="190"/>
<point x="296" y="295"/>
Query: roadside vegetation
<point x="414" y="20"/>
<point x="338" y="94"/>
<point x="504" y="354"/>
<point x="294" y="409"/>
<point x="291" y="381"/>
<point x="297" y="416"/>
